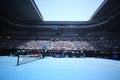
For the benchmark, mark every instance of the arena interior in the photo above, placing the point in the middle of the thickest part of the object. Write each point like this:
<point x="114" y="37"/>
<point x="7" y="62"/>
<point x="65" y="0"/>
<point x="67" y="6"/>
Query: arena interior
<point x="35" y="49"/>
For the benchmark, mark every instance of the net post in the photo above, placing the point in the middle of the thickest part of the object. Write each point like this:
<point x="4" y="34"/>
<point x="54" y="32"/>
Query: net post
<point x="18" y="60"/>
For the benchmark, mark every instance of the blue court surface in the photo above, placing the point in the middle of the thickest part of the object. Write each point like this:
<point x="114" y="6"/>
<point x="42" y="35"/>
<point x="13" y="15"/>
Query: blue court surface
<point x="51" y="68"/>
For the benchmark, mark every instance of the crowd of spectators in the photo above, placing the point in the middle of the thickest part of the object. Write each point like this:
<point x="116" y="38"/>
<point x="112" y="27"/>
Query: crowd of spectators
<point x="101" y="41"/>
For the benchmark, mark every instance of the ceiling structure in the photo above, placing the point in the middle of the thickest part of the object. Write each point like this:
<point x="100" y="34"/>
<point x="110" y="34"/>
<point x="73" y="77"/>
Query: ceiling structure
<point x="23" y="18"/>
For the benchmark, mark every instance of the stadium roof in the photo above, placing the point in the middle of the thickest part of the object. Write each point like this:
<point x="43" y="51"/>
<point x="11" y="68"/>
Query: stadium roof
<point x="24" y="14"/>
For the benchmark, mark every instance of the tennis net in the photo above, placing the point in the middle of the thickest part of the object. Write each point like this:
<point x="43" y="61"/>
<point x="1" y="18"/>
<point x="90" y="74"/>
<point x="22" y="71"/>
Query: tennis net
<point x="26" y="58"/>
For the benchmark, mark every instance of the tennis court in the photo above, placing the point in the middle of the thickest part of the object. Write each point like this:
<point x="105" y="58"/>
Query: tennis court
<point x="51" y="68"/>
